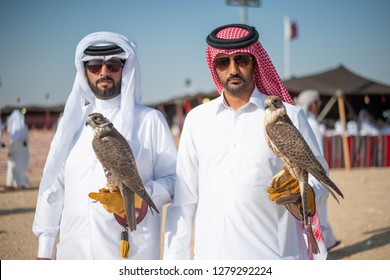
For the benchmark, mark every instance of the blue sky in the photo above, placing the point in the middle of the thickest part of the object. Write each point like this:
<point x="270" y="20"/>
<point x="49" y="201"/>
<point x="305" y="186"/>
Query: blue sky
<point x="39" y="38"/>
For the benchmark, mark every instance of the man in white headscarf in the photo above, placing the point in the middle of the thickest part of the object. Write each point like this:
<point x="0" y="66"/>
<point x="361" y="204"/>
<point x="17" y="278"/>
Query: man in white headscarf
<point x="225" y="165"/>
<point x="108" y="81"/>
<point x="18" y="156"/>
<point x="309" y="100"/>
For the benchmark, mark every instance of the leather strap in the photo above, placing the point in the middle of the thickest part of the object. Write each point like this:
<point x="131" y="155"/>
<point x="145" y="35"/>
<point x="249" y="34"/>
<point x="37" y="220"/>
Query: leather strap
<point x="141" y="214"/>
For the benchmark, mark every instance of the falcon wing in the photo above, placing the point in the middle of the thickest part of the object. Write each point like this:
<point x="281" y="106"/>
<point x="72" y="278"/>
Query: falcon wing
<point x="115" y="154"/>
<point x="291" y="145"/>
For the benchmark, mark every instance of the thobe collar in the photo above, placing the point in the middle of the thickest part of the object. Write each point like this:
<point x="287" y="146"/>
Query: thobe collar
<point x="108" y="105"/>
<point x="257" y="99"/>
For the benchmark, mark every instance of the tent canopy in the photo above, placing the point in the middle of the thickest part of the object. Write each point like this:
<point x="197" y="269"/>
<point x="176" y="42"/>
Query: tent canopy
<point x="340" y="78"/>
<point x="358" y="92"/>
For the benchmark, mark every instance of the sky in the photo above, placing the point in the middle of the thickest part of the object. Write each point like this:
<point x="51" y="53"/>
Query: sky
<point x="38" y="39"/>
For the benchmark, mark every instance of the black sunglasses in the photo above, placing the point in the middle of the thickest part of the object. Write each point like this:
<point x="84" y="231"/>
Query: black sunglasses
<point x="223" y="62"/>
<point x="95" y="65"/>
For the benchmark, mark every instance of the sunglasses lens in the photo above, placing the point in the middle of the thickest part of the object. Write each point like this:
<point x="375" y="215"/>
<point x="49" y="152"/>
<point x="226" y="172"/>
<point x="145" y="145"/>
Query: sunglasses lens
<point x="95" y="66"/>
<point x="242" y="60"/>
<point x="113" y="65"/>
<point x="222" y="63"/>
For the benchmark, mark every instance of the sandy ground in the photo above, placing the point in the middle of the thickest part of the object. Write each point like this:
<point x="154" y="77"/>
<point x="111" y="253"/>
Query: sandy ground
<point x="361" y="222"/>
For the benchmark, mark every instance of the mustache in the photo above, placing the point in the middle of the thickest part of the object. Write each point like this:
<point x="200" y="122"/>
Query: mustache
<point x="236" y="76"/>
<point x="103" y="79"/>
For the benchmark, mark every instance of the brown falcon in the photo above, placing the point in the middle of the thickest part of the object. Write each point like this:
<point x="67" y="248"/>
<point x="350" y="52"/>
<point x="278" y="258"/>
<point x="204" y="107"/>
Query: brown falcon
<point x="285" y="140"/>
<point x="116" y="156"/>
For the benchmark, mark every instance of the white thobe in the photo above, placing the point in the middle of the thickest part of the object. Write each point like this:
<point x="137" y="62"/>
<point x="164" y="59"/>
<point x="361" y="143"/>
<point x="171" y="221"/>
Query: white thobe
<point x="311" y="119"/>
<point x="327" y="231"/>
<point x="224" y="167"/>
<point x="18" y="155"/>
<point x="87" y="230"/>
<point x="17" y="164"/>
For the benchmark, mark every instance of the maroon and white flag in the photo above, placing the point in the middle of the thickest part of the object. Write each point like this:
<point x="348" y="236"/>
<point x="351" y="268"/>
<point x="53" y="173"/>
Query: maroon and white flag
<point x="290" y="29"/>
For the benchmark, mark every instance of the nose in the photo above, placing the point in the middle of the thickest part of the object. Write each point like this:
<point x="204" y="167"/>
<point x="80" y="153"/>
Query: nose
<point x="105" y="72"/>
<point x="233" y="67"/>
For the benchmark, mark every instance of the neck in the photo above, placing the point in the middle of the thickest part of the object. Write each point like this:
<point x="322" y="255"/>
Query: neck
<point x="109" y="104"/>
<point x="237" y="100"/>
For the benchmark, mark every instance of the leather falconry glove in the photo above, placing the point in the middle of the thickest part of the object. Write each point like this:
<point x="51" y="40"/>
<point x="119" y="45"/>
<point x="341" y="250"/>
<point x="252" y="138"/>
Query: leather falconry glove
<point x="284" y="190"/>
<point x="113" y="201"/>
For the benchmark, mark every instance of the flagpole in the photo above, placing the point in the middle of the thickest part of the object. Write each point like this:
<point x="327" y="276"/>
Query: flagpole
<point x="286" y="47"/>
<point x="244" y="14"/>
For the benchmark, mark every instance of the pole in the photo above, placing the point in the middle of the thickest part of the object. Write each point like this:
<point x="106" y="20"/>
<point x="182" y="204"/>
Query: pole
<point x="286" y="48"/>
<point x="343" y="121"/>
<point x="244" y="4"/>
<point x="244" y="14"/>
<point x="47" y="112"/>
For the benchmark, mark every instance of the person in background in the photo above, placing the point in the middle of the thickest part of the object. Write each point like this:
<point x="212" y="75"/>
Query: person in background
<point x="225" y="166"/>
<point x="367" y="125"/>
<point x="309" y="100"/>
<point x="2" y="145"/>
<point x="108" y="82"/>
<point x="18" y="156"/>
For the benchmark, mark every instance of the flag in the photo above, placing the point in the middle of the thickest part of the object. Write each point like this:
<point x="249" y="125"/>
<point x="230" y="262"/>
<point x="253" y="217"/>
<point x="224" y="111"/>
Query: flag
<point x="294" y="31"/>
<point x="290" y="29"/>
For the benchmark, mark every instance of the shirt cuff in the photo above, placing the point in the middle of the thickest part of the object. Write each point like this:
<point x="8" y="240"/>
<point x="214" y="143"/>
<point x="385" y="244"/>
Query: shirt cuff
<point x="46" y="245"/>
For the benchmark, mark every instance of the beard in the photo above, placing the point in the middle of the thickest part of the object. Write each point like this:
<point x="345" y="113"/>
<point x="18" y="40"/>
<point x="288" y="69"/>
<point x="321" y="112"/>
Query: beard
<point x="105" y="93"/>
<point x="237" y="88"/>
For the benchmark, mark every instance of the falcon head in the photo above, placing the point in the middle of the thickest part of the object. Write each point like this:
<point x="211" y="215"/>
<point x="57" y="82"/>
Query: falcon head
<point x="99" y="123"/>
<point x="274" y="108"/>
<point x="273" y="103"/>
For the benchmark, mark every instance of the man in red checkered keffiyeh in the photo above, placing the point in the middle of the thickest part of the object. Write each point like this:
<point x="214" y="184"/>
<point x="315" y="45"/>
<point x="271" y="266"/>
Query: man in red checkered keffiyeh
<point x="266" y="78"/>
<point x="224" y="165"/>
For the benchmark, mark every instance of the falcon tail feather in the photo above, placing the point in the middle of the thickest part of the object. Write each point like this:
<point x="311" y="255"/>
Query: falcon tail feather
<point x="128" y="200"/>
<point x="144" y="195"/>
<point x="328" y="184"/>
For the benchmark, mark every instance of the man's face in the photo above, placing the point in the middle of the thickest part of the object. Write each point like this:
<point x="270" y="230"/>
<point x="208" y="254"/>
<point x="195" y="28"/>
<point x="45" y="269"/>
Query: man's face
<point x="235" y="72"/>
<point x="104" y="79"/>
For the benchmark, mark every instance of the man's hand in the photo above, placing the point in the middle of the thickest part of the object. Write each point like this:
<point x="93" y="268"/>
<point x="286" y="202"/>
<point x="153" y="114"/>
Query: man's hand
<point x="284" y="190"/>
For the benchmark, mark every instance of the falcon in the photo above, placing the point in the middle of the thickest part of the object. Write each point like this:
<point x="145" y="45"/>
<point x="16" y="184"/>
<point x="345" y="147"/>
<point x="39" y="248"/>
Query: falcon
<point x="285" y="140"/>
<point x="114" y="153"/>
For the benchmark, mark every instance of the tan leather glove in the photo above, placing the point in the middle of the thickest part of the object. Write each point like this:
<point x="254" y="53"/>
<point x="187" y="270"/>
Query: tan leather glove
<point x="284" y="190"/>
<point x="113" y="201"/>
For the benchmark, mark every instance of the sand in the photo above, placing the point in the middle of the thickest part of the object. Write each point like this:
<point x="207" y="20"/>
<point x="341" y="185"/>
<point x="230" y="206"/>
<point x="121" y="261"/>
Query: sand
<point x="361" y="221"/>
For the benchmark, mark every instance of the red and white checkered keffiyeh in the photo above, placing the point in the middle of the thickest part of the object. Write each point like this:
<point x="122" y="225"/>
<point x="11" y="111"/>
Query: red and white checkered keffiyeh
<point x="316" y="226"/>
<point x="266" y="78"/>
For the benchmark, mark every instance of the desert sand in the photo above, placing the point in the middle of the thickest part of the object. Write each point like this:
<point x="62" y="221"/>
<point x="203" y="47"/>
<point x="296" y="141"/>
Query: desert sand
<point x="361" y="221"/>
